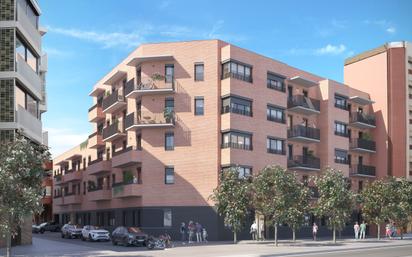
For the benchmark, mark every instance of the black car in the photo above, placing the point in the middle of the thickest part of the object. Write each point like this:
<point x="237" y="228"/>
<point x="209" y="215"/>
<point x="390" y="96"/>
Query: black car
<point x="71" y="231"/>
<point x="51" y="226"/>
<point x="129" y="236"/>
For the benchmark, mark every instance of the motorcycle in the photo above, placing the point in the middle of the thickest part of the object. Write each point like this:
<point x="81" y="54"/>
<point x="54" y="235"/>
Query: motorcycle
<point x="155" y="243"/>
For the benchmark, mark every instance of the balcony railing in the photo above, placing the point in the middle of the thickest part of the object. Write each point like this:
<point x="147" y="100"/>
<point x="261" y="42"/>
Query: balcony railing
<point x="247" y="78"/>
<point x="276" y="151"/>
<point x="363" y="144"/>
<point x="358" y="117"/>
<point x="95" y="161"/>
<point x="304" y="162"/>
<point x="303" y="132"/>
<point x="31" y="125"/>
<point x="227" y="109"/>
<point x="112" y="130"/>
<point x="112" y="99"/>
<point x="149" y="119"/>
<point x="150" y="86"/>
<point x="237" y="146"/>
<point x="31" y="79"/>
<point x="363" y="170"/>
<point x="30" y="28"/>
<point x="297" y="102"/>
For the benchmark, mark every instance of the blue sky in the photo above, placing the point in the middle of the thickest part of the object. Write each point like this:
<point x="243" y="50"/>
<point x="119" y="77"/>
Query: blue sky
<point x="86" y="38"/>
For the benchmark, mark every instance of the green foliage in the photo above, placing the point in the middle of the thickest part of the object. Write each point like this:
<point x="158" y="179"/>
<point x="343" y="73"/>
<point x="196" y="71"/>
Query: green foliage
<point x="157" y="76"/>
<point x="21" y="174"/>
<point x="232" y="199"/>
<point x="336" y="200"/>
<point x="127" y="176"/>
<point x="401" y="201"/>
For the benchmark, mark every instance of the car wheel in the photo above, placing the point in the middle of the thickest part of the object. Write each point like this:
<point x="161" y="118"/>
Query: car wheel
<point x="114" y="242"/>
<point x="62" y="235"/>
<point x="83" y="239"/>
<point x="41" y="231"/>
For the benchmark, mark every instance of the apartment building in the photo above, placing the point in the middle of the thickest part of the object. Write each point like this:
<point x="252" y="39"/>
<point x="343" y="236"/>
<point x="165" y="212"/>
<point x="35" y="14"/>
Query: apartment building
<point x="386" y="73"/>
<point x="23" y="67"/>
<point x="172" y="116"/>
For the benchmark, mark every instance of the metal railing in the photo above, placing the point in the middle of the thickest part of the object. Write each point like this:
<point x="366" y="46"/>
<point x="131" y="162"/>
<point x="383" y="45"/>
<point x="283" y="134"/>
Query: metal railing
<point x="247" y="78"/>
<point x="276" y="151"/>
<point x="303" y="131"/>
<point x="301" y="161"/>
<point x="149" y="84"/>
<point x="112" y="99"/>
<point x="363" y="144"/>
<point x="112" y="130"/>
<point x="237" y="146"/>
<point x="227" y="109"/>
<point x="142" y="118"/>
<point x="303" y="101"/>
<point x="361" y="169"/>
<point x="363" y="118"/>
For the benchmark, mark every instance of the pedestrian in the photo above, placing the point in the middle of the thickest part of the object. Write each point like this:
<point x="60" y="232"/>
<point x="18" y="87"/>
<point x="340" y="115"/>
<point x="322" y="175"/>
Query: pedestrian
<point x="314" y="231"/>
<point x="192" y="228"/>
<point x="253" y="230"/>
<point x="388" y="231"/>
<point x="183" y="232"/>
<point x="356" y="229"/>
<point x="262" y="231"/>
<point x="393" y="230"/>
<point x="204" y="233"/>
<point x="362" y="230"/>
<point x="198" y="232"/>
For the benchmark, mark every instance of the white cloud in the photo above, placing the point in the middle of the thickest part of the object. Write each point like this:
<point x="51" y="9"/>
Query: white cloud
<point x="385" y="25"/>
<point x="391" y="30"/>
<point x="62" y="139"/>
<point x="331" y="50"/>
<point x="57" y="52"/>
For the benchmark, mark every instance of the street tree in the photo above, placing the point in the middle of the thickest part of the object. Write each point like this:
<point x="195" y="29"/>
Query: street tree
<point x="275" y="194"/>
<point x="336" y="200"/>
<point x="376" y="202"/>
<point x="21" y="174"/>
<point x="401" y="203"/>
<point x="232" y="199"/>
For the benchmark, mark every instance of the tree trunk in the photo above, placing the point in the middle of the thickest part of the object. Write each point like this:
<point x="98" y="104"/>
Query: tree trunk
<point x="294" y="235"/>
<point x="334" y="235"/>
<point x="234" y="237"/>
<point x="8" y="238"/>
<point x="276" y="234"/>
<point x="379" y="231"/>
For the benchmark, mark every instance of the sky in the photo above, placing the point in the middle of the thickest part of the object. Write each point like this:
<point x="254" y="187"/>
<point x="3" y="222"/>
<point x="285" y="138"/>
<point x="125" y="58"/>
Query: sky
<point x="87" y="38"/>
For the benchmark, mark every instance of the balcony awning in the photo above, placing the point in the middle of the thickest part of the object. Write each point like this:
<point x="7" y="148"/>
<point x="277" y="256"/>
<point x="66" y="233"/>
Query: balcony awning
<point x="361" y="100"/>
<point x="74" y="157"/>
<point x="61" y="162"/>
<point x="97" y="91"/>
<point x="298" y="80"/>
<point x="155" y="58"/>
<point x="115" y="77"/>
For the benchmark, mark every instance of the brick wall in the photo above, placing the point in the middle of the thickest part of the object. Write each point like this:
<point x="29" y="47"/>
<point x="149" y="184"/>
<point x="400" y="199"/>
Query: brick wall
<point x="6" y="10"/>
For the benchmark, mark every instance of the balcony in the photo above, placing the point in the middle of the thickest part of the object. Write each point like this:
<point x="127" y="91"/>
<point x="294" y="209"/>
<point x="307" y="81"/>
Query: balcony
<point x="238" y="76"/>
<point x="96" y="114"/>
<point x="113" y="132"/>
<point x="71" y="176"/>
<point x="30" y="125"/>
<point x="149" y="87"/>
<point x="362" y="170"/>
<point x="127" y="157"/>
<point x="303" y="105"/>
<point x="234" y="145"/>
<point x="362" y="145"/>
<point x="28" y="77"/>
<point x="149" y="120"/>
<point x="231" y="109"/>
<point x="362" y="121"/>
<point x="113" y="102"/>
<point x="58" y="200"/>
<point x="126" y="190"/>
<point x="58" y="179"/>
<point x="99" y="194"/>
<point x="300" y="133"/>
<point x="46" y="200"/>
<point x="304" y="163"/>
<point x="99" y="167"/>
<point x="95" y="140"/>
<point x="72" y="199"/>
<point x="27" y="28"/>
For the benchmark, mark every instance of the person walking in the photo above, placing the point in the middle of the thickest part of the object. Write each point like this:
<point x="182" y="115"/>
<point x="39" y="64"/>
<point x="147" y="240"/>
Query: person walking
<point x="204" y="233"/>
<point x="388" y="231"/>
<point x="262" y="231"/>
<point x="253" y="230"/>
<point x="183" y="232"/>
<point x="192" y="228"/>
<point x="198" y="232"/>
<point x="362" y="230"/>
<point x="314" y="231"/>
<point x="356" y="229"/>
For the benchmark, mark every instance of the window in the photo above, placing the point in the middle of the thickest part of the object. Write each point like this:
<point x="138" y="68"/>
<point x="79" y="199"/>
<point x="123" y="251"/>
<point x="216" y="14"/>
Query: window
<point x="237" y="105"/>
<point x="199" y="72"/>
<point x="275" y="82"/>
<point x="29" y="11"/>
<point x="360" y="186"/>
<point x="276" y="114"/>
<point x="341" y="156"/>
<point x="169" y="73"/>
<point x="237" y="70"/>
<point x="199" y="106"/>
<point x="237" y="140"/>
<point x="167" y="218"/>
<point x="341" y="102"/>
<point x="341" y="129"/>
<point x="24" y="53"/>
<point x="169" y="175"/>
<point x="243" y="171"/>
<point x="169" y="141"/>
<point x="275" y="146"/>
<point x="170" y="104"/>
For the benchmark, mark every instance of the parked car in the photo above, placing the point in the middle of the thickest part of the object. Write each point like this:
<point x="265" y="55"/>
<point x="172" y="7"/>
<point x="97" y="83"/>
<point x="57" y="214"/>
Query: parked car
<point x="71" y="231"/>
<point x="38" y="228"/>
<point x="51" y="226"/>
<point x="129" y="236"/>
<point x="93" y="233"/>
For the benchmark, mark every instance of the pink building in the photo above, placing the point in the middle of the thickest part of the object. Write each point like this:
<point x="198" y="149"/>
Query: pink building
<point x="172" y="116"/>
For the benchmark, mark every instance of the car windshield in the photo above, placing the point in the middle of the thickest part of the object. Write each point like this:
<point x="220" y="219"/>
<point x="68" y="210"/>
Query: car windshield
<point x="93" y="228"/>
<point x="134" y="230"/>
<point x="71" y="227"/>
<point x="43" y="224"/>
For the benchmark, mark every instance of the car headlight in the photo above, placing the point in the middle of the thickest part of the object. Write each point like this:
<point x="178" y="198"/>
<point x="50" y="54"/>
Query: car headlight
<point x="131" y="237"/>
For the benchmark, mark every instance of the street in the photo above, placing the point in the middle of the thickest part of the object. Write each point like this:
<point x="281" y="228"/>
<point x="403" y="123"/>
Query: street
<point x="50" y="244"/>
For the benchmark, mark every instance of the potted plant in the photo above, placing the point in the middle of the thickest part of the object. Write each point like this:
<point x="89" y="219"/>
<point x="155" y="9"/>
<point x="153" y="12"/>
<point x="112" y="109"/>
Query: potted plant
<point x="168" y="115"/>
<point x="157" y="76"/>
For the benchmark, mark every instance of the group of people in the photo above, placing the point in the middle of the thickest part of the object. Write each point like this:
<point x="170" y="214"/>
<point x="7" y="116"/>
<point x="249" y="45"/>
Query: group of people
<point x="193" y="229"/>
<point x="391" y="230"/>
<point x="254" y="231"/>
<point x="360" y="230"/>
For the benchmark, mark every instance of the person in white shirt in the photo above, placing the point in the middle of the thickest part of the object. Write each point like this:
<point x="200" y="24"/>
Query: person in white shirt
<point x="314" y="231"/>
<point x="253" y="230"/>
<point x="356" y="229"/>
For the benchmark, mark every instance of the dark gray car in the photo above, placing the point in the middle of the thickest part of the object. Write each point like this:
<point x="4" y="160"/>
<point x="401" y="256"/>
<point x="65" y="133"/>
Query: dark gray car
<point x="129" y="236"/>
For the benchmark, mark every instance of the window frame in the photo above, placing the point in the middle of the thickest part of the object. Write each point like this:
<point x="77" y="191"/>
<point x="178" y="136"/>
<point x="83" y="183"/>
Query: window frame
<point x="339" y="131"/>
<point x="340" y="98"/>
<point x="340" y="159"/>
<point x="272" y="108"/>
<point x="172" y="170"/>
<point x="239" y="136"/>
<point x="271" y="77"/>
<point x="170" y="147"/>
<point x="202" y="110"/>
<point x="237" y="105"/>
<point x="269" y="148"/>
<point x="196" y="73"/>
